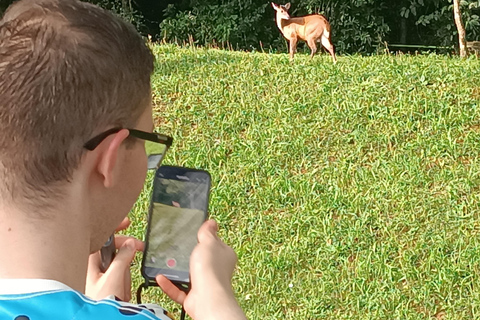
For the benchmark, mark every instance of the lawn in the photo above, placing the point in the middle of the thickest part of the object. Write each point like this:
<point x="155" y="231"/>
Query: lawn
<point x="348" y="191"/>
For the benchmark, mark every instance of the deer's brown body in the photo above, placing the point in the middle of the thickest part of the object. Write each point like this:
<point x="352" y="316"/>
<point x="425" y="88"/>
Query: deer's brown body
<point x="311" y="29"/>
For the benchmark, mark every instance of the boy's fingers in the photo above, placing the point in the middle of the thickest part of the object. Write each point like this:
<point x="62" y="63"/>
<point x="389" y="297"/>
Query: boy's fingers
<point x="207" y="231"/>
<point x="170" y="289"/>
<point x="123" y="225"/>
<point x="128" y="286"/>
<point x="120" y="241"/>
<point x="123" y="259"/>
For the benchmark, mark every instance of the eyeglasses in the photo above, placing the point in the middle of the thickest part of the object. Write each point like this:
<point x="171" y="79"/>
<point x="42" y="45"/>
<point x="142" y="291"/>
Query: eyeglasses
<point x="156" y="144"/>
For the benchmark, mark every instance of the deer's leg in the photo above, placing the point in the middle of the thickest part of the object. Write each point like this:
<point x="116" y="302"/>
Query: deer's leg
<point x="293" y="47"/>
<point x="329" y="46"/>
<point x="313" y="47"/>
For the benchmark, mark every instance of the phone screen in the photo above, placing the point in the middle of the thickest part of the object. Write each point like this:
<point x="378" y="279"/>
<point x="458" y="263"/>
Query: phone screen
<point x="178" y="209"/>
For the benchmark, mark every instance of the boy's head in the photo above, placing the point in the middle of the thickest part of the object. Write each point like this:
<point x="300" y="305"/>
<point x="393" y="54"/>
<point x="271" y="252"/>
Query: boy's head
<point x="68" y="70"/>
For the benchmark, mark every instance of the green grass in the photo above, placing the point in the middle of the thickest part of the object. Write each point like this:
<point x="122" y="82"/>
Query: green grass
<point x="348" y="191"/>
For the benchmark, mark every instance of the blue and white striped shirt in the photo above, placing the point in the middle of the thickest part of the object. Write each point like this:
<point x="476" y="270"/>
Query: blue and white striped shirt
<point x="38" y="299"/>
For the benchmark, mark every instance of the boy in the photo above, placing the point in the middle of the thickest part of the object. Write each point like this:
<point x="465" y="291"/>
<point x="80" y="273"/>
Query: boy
<point x="74" y="95"/>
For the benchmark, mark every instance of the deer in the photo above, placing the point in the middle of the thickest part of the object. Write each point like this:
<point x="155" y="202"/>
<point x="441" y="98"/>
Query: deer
<point x="311" y="28"/>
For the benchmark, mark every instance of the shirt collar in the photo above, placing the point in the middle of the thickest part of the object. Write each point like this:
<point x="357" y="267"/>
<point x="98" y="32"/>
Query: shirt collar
<point x="22" y="286"/>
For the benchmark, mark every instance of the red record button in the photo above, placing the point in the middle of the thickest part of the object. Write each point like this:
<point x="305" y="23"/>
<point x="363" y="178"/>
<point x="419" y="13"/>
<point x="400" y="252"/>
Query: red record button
<point x="171" y="263"/>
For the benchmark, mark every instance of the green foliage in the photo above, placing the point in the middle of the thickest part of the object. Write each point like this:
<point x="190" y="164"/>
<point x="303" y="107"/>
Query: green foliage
<point x="236" y="22"/>
<point x="438" y="25"/>
<point x="348" y="191"/>
<point x="357" y="25"/>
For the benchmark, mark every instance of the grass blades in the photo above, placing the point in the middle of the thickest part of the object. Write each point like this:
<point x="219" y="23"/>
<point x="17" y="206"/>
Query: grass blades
<point x="348" y="191"/>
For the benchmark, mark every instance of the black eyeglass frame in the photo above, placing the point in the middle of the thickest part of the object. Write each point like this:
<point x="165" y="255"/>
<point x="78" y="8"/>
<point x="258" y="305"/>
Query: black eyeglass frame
<point x="150" y="136"/>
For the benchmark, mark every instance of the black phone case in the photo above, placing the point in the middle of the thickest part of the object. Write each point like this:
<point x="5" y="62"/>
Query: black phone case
<point x="149" y="282"/>
<point x="108" y="253"/>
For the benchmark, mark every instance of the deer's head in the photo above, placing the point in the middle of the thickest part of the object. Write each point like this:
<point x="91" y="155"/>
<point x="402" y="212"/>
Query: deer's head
<point x="282" y="11"/>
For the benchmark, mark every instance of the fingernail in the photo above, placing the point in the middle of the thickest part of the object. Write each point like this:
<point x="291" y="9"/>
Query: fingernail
<point x="130" y="245"/>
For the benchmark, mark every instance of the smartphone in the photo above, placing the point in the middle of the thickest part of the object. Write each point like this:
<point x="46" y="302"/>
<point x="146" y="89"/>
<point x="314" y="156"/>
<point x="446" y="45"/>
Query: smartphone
<point x="108" y="253"/>
<point x="178" y="207"/>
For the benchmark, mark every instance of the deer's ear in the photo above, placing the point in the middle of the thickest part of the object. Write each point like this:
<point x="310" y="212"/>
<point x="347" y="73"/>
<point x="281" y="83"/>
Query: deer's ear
<point x="274" y="6"/>
<point x="287" y="6"/>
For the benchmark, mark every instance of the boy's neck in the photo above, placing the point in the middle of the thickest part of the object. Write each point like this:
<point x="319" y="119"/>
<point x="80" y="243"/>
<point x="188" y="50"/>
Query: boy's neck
<point x="54" y="247"/>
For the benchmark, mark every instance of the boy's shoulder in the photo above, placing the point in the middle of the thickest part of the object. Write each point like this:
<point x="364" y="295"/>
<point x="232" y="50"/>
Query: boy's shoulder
<point x="60" y="304"/>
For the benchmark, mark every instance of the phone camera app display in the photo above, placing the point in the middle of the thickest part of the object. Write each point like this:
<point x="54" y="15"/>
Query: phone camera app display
<point x="178" y="210"/>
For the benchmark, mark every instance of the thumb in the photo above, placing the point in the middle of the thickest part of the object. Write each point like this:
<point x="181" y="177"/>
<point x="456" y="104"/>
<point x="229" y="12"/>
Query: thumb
<point x="208" y="231"/>
<point x="123" y="259"/>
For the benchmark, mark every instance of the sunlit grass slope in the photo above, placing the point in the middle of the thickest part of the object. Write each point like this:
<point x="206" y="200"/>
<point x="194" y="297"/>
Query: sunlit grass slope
<point x="348" y="191"/>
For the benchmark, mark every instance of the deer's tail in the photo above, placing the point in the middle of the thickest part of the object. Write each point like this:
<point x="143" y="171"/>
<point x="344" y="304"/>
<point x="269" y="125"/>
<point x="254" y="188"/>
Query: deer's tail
<point x="327" y="30"/>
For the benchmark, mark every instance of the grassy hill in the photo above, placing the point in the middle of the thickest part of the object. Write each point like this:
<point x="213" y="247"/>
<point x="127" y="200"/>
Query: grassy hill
<point x="348" y="191"/>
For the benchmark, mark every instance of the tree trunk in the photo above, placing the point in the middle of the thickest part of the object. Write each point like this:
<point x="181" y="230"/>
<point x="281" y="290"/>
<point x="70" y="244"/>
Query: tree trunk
<point x="461" y="29"/>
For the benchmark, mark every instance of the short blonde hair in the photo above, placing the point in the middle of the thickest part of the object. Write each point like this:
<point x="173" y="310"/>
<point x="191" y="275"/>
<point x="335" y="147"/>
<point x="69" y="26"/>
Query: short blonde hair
<point x="68" y="69"/>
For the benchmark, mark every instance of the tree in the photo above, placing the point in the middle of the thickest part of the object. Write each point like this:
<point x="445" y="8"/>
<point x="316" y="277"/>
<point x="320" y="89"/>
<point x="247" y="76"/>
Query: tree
<point x="460" y="27"/>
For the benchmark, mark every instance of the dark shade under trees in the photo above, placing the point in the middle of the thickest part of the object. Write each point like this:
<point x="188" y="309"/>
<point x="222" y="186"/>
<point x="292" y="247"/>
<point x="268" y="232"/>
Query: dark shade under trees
<point x="358" y="26"/>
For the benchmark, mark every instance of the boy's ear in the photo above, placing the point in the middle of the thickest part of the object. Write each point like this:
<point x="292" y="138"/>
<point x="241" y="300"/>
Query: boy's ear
<point x="109" y="157"/>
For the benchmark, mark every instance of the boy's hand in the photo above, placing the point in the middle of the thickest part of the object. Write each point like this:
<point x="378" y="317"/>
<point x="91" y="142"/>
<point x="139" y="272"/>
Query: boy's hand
<point x="211" y="268"/>
<point x="116" y="280"/>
